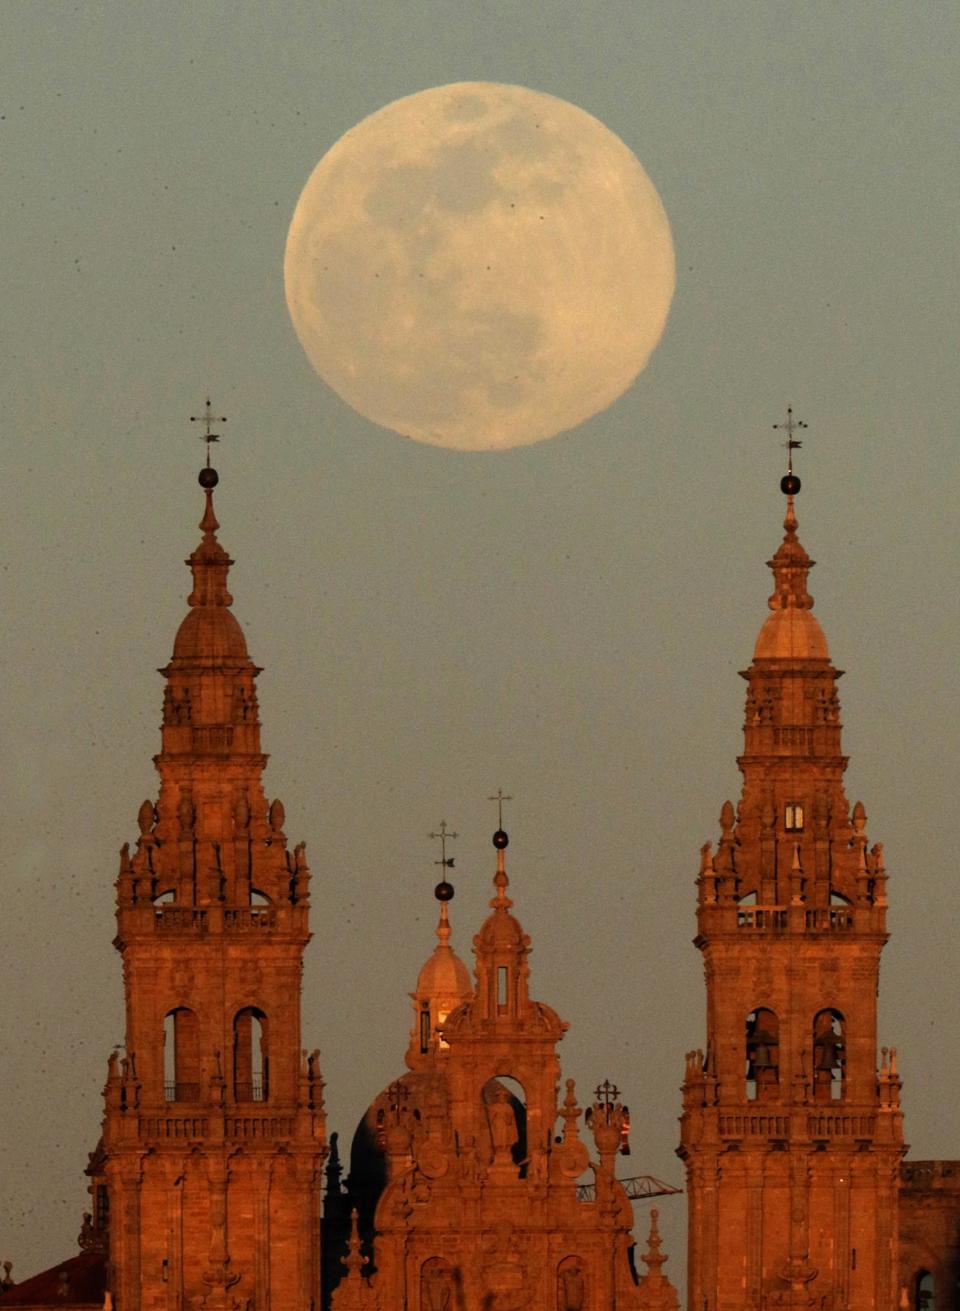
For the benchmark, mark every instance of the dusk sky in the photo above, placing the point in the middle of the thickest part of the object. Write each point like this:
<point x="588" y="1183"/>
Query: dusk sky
<point x="564" y="620"/>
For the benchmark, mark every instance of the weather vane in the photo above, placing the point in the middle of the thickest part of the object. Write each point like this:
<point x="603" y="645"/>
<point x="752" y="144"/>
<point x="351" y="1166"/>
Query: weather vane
<point x="208" y="476"/>
<point x="790" y="483"/>
<point x="445" y="861"/>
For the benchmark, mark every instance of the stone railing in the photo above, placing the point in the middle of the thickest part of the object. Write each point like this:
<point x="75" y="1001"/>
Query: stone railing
<point x="762" y="917"/>
<point x="837" y="1124"/>
<point x="249" y="917"/>
<point x="754" y="1125"/>
<point x="253" y="1126"/>
<point x="829" y="919"/>
<point x="180" y="919"/>
<point x="173" y="1126"/>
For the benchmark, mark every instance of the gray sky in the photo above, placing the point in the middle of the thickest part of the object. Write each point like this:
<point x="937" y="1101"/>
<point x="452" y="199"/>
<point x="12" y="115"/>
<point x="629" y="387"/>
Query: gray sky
<point x="564" y="620"/>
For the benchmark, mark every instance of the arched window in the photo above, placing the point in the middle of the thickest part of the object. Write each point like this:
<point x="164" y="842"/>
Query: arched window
<point x="251" y="1067"/>
<point x="571" y="1285"/>
<point x="923" y="1291"/>
<point x="258" y="898"/>
<point x="829" y="1064"/>
<point x="181" y="1056"/>
<point x="762" y="1055"/>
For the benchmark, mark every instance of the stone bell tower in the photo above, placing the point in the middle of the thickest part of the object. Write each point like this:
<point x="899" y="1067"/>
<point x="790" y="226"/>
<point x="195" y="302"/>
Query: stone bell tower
<point x="213" y="1133"/>
<point x="791" y="1134"/>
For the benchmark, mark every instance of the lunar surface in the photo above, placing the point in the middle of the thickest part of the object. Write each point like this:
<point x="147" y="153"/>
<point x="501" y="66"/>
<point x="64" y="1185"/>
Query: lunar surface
<point x="479" y="266"/>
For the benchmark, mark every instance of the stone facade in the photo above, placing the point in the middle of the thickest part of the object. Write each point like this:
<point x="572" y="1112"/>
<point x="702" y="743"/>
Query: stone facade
<point x="466" y="1184"/>
<point x="213" y="1135"/>
<point x="476" y="1202"/>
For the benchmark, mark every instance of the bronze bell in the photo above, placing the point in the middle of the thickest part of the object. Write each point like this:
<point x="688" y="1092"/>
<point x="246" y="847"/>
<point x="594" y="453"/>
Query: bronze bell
<point x="761" y="1058"/>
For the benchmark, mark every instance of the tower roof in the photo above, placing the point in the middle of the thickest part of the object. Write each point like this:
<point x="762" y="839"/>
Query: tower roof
<point x="791" y="632"/>
<point x="209" y="632"/>
<point x="444" y="977"/>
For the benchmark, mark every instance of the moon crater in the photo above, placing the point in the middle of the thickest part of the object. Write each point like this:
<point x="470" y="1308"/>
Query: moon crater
<point x="479" y="266"/>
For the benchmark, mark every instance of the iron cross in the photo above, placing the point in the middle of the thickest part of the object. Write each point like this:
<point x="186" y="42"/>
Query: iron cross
<point x="444" y="833"/>
<point x="791" y="426"/>
<point x="500" y="798"/>
<point x="606" y="1093"/>
<point x="208" y="420"/>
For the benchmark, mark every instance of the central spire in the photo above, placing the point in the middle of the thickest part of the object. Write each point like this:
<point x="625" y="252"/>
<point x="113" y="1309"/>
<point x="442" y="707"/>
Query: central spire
<point x="791" y="632"/>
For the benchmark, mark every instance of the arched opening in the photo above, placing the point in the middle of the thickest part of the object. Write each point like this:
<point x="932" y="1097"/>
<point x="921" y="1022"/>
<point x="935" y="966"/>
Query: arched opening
<point x="165" y="898"/>
<point x="571" y="1285"/>
<point x="762" y="1055"/>
<point x="258" y="898"/>
<point x="181" y="1056"/>
<point x="437" y="1285"/>
<point x="829" y="1065"/>
<point x="923" y="1291"/>
<point x="251" y="1066"/>
<point x="506" y="1106"/>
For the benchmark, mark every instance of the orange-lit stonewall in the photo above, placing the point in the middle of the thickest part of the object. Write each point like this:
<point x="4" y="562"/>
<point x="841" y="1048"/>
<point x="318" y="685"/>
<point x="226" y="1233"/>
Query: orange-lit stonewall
<point x="465" y="1171"/>
<point x="213" y="1135"/>
<point x="791" y="1133"/>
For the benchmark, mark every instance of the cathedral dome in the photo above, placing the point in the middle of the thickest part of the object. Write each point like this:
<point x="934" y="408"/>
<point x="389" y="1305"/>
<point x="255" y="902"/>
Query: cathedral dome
<point x="501" y="930"/>
<point x="444" y="977"/>
<point x="791" y="634"/>
<point x="210" y="632"/>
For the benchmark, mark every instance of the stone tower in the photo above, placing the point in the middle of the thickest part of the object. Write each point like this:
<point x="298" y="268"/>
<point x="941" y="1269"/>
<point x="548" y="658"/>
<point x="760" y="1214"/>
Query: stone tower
<point x="213" y="1135"/>
<point x="479" y="1205"/>
<point x="791" y="1134"/>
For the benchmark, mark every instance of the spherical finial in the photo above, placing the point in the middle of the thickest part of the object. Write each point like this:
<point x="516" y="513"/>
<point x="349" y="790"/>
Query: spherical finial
<point x="208" y="478"/>
<point x="789" y="484"/>
<point x="500" y="839"/>
<point x="443" y="891"/>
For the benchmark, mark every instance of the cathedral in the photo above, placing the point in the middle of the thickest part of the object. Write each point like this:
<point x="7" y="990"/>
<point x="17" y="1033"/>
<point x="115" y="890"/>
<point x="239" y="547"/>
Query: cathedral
<point x="481" y="1179"/>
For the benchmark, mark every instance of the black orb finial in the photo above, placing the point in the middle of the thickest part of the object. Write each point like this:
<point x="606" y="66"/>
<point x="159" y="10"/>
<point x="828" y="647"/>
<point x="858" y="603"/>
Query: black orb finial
<point x="444" y="891"/>
<point x="500" y="839"/>
<point x="208" y="478"/>
<point x="789" y="484"/>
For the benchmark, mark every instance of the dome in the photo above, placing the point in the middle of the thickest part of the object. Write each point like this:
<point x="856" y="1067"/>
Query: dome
<point x="501" y="929"/>
<point x="212" y="633"/>
<point x="791" y="634"/>
<point x="444" y="976"/>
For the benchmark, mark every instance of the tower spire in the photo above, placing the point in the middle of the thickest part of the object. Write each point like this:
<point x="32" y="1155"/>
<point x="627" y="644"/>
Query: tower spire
<point x="212" y="922"/>
<point x="791" y="922"/>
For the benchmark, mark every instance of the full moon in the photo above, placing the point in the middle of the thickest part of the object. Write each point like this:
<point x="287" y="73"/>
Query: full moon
<point x="479" y="266"/>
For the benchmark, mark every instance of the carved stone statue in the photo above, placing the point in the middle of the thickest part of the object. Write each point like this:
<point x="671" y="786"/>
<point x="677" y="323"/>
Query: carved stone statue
<point x="571" y="1291"/>
<point x="437" y="1288"/>
<point x="503" y="1125"/>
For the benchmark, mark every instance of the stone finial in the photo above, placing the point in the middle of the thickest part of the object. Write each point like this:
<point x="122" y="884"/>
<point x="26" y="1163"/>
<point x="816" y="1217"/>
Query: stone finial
<point x="354" y="1260"/>
<point x="790" y="566"/>
<point x="655" y="1292"/>
<point x="209" y="563"/>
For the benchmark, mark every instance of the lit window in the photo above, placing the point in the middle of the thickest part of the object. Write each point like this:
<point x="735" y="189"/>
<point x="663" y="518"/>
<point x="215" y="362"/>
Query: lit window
<point x="425" y="1029"/>
<point x="793" y="817"/>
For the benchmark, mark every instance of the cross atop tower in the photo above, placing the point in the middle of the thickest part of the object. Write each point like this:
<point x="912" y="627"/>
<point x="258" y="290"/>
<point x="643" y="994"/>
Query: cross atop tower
<point x="445" y="861"/>
<point x="500" y="798"/>
<point x="208" y="419"/>
<point x="790" y="483"/>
